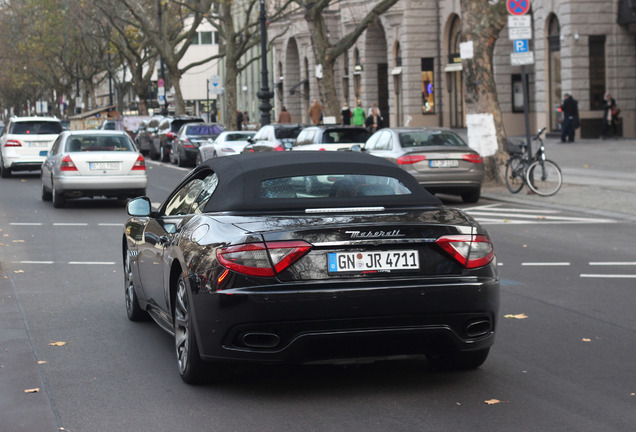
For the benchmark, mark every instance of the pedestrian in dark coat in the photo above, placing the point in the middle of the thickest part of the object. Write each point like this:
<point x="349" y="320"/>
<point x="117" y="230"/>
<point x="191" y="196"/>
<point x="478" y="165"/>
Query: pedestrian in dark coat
<point x="610" y="115"/>
<point x="284" y="116"/>
<point x="374" y="121"/>
<point x="239" y="120"/>
<point x="570" y="111"/>
<point x="346" y="114"/>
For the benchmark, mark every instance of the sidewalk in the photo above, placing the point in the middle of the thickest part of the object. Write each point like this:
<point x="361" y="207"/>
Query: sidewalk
<point x="599" y="177"/>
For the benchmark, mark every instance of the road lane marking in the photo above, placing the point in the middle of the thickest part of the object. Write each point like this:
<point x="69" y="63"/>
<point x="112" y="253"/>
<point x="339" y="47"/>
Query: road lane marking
<point x="112" y="224"/>
<point x="26" y="223"/>
<point x="69" y="224"/>
<point x="609" y="263"/>
<point x="91" y="262"/>
<point x="545" y="263"/>
<point x="34" y="262"/>
<point x="609" y="276"/>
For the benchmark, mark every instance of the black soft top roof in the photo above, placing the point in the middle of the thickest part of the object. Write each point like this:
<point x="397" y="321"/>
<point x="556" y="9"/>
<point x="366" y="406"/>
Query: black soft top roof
<point x="240" y="178"/>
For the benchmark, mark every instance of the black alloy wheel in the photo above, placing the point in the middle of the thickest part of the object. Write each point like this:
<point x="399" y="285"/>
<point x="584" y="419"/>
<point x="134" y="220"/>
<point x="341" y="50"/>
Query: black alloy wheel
<point x="133" y="310"/>
<point x="180" y="161"/>
<point x="191" y="367"/>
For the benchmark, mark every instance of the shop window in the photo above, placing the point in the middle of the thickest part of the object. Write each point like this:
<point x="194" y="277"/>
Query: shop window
<point x="428" y="89"/>
<point x="597" y="71"/>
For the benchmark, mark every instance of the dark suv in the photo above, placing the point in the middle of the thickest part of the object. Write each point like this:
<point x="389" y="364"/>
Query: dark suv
<point x="161" y="142"/>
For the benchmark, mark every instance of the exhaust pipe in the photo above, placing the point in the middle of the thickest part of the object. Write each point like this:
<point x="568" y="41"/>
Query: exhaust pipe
<point x="478" y="328"/>
<point x="260" y="340"/>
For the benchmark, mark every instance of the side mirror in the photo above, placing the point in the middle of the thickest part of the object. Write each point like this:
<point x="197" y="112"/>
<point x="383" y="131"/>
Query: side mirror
<point x="139" y="207"/>
<point x="357" y="148"/>
<point x="250" y="140"/>
<point x="287" y="145"/>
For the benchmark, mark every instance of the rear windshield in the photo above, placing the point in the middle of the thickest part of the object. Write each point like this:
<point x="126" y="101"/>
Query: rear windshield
<point x="176" y="124"/>
<point x="430" y="138"/>
<point x="345" y="136"/>
<point x="238" y="137"/>
<point x="36" y="127"/>
<point x="332" y="186"/>
<point x="204" y="130"/>
<point x="287" y="132"/>
<point x="79" y="143"/>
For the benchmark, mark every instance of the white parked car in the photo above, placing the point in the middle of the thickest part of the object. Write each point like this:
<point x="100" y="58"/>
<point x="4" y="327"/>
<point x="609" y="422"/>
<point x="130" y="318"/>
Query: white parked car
<point x="93" y="163"/>
<point x="226" y="144"/>
<point x="25" y="142"/>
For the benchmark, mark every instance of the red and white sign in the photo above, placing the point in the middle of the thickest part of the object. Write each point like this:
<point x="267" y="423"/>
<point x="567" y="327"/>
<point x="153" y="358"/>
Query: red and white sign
<point x="518" y="7"/>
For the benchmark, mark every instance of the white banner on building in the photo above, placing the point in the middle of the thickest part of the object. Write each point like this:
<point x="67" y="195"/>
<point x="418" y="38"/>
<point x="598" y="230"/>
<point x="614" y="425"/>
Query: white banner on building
<point x="482" y="135"/>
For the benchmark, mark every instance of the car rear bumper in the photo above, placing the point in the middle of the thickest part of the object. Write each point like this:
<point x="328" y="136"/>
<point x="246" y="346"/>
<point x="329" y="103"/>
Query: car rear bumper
<point x="110" y="185"/>
<point x="335" y="325"/>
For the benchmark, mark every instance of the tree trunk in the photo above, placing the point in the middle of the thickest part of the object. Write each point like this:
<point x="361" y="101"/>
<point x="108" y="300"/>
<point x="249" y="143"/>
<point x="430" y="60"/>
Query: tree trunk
<point x="481" y="24"/>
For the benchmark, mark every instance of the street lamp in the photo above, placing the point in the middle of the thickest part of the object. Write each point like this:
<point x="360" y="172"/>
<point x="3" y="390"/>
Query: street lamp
<point x="264" y="95"/>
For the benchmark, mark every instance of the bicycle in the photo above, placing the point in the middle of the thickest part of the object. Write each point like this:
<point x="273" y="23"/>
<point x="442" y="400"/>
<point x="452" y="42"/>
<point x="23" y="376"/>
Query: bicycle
<point x="542" y="175"/>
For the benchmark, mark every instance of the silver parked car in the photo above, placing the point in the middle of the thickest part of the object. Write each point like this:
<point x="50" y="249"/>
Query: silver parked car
<point x="438" y="158"/>
<point x="93" y="163"/>
<point x="226" y="144"/>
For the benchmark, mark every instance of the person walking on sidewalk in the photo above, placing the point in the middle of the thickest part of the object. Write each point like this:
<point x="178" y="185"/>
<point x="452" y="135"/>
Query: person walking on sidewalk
<point x="570" y="110"/>
<point x="315" y="112"/>
<point x="610" y="115"/>
<point x="359" y="116"/>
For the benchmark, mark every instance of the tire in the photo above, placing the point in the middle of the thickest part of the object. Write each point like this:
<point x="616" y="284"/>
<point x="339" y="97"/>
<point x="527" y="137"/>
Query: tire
<point x="191" y="367"/>
<point x="544" y="177"/>
<point x="180" y="162"/>
<point x="133" y="310"/>
<point x="58" y="199"/>
<point x="514" y="173"/>
<point x="164" y="155"/>
<point x="154" y="155"/>
<point x="47" y="195"/>
<point x="4" y="172"/>
<point x="458" y="360"/>
<point x="471" y="197"/>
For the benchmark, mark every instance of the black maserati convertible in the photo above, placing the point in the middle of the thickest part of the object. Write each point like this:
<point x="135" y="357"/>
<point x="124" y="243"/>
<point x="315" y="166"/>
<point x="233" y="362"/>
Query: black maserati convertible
<point x="310" y="257"/>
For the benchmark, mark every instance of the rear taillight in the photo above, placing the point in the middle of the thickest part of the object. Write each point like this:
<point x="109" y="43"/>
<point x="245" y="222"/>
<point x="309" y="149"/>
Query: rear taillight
<point x="227" y="150"/>
<point x="140" y="164"/>
<point x="410" y="159"/>
<point x="471" y="251"/>
<point x="13" y="143"/>
<point x="322" y="149"/>
<point x="279" y="148"/>
<point x="67" y="164"/>
<point x="262" y="259"/>
<point x="471" y="157"/>
<point x="171" y="135"/>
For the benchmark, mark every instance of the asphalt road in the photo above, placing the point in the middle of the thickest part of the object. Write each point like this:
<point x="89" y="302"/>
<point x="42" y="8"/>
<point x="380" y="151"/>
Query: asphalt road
<point x="566" y="362"/>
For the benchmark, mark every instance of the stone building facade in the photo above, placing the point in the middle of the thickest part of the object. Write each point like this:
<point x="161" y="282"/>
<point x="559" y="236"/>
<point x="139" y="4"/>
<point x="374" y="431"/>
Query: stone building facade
<point x="408" y="62"/>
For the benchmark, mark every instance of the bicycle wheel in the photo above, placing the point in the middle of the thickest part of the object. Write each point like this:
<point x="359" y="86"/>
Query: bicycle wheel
<point x="514" y="173"/>
<point x="544" y="177"/>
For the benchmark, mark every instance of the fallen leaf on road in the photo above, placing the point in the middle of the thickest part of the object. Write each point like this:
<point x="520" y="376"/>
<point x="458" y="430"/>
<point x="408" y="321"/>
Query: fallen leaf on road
<point x="632" y="394"/>
<point x="17" y="241"/>
<point x="541" y="217"/>
<point x="494" y="402"/>
<point x="525" y="246"/>
<point x="42" y="362"/>
<point x="18" y="271"/>
<point x="33" y="390"/>
<point x="518" y="316"/>
<point x="58" y="343"/>
<point x="586" y="340"/>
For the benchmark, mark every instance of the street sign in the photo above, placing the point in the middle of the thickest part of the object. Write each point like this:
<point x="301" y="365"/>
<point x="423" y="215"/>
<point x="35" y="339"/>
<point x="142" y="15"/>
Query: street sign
<point x="522" y="58"/>
<point x="518" y="7"/>
<point x="515" y="33"/>
<point x="515" y="21"/>
<point x="521" y="46"/>
<point x="161" y="91"/>
<point x="160" y="83"/>
<point x="215" y="80"/>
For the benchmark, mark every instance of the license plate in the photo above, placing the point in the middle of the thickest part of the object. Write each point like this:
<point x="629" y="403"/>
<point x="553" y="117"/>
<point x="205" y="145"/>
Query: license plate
<point x="104" y="166"/>
<point x="360" y="262"/>
<point x="444" y="163"/>
<point x="34" y="144"/>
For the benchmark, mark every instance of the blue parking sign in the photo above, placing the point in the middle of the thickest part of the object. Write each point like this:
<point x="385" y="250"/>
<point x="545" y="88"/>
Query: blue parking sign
<point x="521" y="45"/>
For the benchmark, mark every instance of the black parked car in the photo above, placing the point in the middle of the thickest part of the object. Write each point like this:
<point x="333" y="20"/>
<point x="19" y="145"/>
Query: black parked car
<point x="243" y="263"/>
<point x="161" y="141"/>
<point x="185" y="147"/>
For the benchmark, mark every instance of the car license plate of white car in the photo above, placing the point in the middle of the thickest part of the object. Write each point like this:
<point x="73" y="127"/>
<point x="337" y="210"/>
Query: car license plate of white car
<point x="360" y="262"/>
<point x="35" y="144"/>
<point x="108" y="166"/>
<point x="444" y="163"/>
